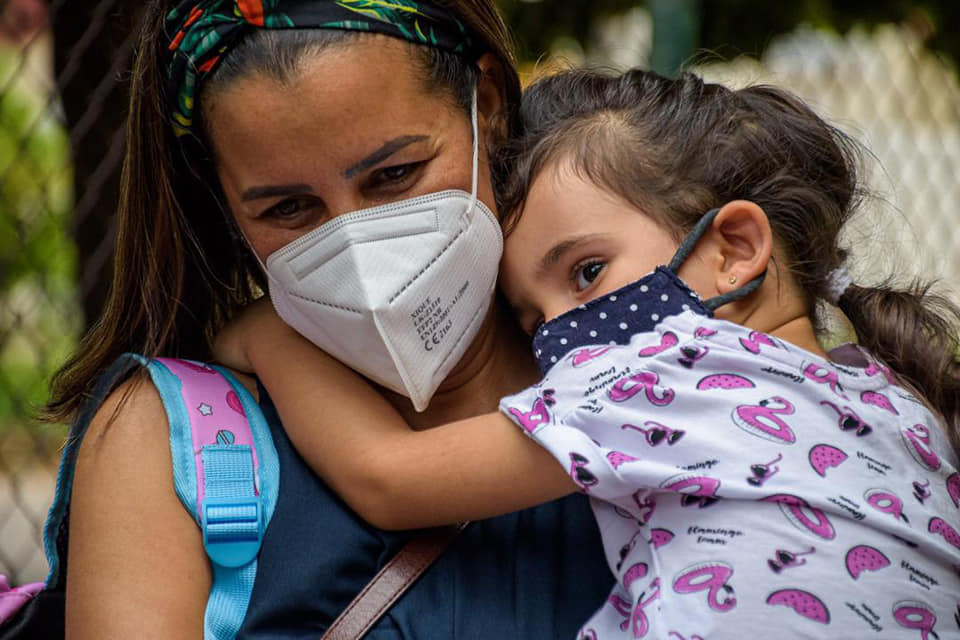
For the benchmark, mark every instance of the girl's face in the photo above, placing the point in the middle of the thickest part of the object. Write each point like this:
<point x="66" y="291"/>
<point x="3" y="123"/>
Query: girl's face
<point x="354" y="128"/>
<point x="574" y="242"/>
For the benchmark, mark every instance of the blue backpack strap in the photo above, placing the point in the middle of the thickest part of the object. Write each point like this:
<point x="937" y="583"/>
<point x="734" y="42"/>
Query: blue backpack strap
<point x="226" y="474"/>
<point x="225" y="471"/>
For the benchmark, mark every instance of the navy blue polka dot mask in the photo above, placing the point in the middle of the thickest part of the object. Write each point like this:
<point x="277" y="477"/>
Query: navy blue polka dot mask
<point x="635" y="308"/>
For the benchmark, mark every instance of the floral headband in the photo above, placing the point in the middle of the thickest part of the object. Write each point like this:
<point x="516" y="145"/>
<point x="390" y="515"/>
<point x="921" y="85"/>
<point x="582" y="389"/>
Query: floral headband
<point x="200" y="32"/>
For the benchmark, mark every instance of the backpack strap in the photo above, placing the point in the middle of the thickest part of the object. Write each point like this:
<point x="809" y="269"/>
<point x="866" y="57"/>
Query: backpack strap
<point x="226" y="473"/>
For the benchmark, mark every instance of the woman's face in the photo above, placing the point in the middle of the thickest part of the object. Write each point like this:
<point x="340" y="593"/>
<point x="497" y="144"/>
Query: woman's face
<point x="356" y="127"/>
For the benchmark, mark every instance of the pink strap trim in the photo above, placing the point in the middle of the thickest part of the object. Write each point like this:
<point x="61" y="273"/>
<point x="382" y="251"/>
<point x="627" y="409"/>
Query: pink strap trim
<point x="11" y="600"/>
<point x="216" y="414"/>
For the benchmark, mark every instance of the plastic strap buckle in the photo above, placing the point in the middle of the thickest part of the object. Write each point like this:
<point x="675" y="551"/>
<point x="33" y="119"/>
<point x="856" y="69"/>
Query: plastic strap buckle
<point x="232" y="529"/>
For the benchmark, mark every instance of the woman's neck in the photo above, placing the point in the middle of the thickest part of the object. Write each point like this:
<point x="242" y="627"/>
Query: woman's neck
<point x="498" y="362"/>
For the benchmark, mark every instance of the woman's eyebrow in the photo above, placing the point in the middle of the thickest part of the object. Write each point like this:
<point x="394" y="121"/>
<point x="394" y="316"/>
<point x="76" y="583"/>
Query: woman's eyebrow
<point x="553" y="256"/>
<point x="382" y="154"/>
<point x="273" y="191"/>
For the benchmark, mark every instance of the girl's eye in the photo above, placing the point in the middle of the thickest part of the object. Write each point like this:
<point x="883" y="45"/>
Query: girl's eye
<point x="585" y="274"/>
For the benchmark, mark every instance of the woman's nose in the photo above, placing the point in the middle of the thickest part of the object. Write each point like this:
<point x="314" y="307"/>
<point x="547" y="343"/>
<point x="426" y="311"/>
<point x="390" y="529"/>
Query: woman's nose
<point x="341" y="204"/>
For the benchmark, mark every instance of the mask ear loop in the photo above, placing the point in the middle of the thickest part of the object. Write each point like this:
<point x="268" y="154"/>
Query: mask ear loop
<point x="476" y="151"/>
<point x="725" y="298"/>
<point x="686" y="248"/>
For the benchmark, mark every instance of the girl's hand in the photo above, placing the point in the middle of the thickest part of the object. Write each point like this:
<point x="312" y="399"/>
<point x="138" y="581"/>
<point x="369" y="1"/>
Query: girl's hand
<point x="235" y="341"/>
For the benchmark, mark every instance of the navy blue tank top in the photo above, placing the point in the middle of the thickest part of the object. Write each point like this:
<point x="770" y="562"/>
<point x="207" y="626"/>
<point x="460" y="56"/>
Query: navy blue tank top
<point x="534" y="574"/>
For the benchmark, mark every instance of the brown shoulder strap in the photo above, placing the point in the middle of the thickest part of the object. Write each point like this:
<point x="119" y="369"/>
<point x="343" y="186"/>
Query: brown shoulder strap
<point x="392" y="582"/>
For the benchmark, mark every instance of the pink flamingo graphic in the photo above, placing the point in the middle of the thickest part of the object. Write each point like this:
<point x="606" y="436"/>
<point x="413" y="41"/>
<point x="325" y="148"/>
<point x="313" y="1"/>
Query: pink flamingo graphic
<point x="917" y="441"/>
<point x="822" y="375"/>
<point x="755" y="339"/>
<point x="886" y="502"/>
<point x="784" y="559"/>
<point x="763" y="419"/>
<point x="703" y="332"/>
<point x="581" y="357"/>
<point x="764" y="471"/>
<point x="916" y="615"/>
<point x="637" y="617"/>
<point x="711" y="577"/>
<point x="645" y="381"/>
<point x="667" y="341"/>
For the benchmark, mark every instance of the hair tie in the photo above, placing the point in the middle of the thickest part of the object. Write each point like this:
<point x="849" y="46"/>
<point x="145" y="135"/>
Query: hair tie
<point x="838" y="282"/>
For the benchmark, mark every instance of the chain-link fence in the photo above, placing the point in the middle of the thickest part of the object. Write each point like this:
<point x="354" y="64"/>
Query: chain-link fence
<point x="882" y="85"/>
<point x="61" y="142"/>
<point x="888" y="91"/>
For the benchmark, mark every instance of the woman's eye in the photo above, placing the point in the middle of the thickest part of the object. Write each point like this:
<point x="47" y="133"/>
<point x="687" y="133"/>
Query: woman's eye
<point x="585" y="274"/>
<point x="286" y="210"/>
<point x="396" y="174"/>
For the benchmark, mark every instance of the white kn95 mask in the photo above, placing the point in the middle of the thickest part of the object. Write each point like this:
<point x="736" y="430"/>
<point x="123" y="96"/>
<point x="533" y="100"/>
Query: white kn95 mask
<point x="397" y="292"/>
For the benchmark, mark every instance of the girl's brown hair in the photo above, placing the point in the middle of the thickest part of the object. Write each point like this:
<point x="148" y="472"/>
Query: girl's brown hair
<point x="677" y="148"/>
<point x="180" y="269"/>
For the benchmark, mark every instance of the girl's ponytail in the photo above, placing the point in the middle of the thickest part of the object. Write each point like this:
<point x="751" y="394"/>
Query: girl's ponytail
<point x="915" y="332"/>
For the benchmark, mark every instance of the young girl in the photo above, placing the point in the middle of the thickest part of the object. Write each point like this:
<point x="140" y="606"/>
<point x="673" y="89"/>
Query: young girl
<point x="743" y="479"/>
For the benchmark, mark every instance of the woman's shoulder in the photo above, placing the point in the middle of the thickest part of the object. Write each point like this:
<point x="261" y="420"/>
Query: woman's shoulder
<point x="130" y="424"/>
<point x="126" y="521"/>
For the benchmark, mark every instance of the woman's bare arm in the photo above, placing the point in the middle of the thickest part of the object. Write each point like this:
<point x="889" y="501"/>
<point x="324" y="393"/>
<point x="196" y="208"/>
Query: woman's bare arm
<point x="137" y="568"/>
<point x="394" y="477"/>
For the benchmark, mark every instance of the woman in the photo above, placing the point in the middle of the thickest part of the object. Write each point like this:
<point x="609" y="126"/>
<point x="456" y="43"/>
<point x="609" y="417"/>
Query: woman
<point x="285" y="129"/>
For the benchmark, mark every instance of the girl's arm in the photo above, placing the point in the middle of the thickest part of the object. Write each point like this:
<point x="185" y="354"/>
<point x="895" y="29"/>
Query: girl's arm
<point x="137" y="568"/>
<point x="394" y="477"/>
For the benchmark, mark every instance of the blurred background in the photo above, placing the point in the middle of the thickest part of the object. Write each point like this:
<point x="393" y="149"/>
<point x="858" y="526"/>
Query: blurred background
<point x="883" y="70"/>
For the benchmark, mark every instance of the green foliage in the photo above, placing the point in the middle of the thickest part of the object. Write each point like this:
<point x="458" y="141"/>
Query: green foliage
<point x="746" y="26"/>
<point x="732" y="27"/>
<point x="537" y="24"/>
<point x="39" y="315"/>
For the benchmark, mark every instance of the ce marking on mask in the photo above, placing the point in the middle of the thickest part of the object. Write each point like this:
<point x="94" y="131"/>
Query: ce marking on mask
<point x="433" y="319"/>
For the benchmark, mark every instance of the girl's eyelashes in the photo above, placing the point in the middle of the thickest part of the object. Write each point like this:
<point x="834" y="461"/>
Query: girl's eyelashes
<point x="586" y="273"/>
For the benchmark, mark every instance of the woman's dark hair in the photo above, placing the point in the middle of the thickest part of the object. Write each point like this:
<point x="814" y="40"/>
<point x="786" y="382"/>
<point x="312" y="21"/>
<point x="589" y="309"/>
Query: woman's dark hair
<point x="180" y="270"/>
<point x="677" y="148"/>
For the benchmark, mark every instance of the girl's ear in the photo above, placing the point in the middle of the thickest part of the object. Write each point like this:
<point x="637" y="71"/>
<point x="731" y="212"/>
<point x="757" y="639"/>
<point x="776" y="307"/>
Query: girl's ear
<point x="744" y="241"/>
<point x="491" y="95"/>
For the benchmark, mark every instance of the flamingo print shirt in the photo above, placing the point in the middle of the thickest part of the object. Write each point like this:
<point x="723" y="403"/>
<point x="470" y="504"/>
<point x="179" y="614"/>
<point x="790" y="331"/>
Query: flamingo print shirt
<point x="745" y="487"/>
